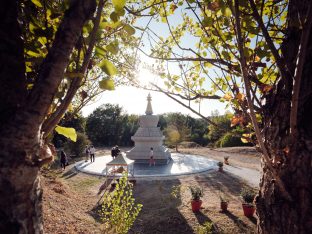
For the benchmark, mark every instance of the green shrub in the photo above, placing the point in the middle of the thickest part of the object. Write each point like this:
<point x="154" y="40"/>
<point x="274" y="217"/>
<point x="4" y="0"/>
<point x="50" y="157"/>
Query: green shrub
<point x="77" y="148"/>
<point x="119" y="210"/>
<point x="206" y="228"/>
<point x="228" y="140"/>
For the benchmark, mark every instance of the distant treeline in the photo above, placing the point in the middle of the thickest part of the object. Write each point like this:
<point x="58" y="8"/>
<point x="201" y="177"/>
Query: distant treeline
<point x="109" y="125"/>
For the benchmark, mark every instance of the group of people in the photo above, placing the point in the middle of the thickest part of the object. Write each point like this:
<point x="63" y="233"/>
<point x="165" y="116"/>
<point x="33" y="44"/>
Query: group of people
<point x="90" y="152"/>
<point x="115" y="151"/>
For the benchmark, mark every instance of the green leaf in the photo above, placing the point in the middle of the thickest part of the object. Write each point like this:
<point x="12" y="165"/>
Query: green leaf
<point x="108" y="67"/>
<point x="67" y="132"/>
<point x="208" y="21"/>
<point x="119" y="4"/>
<point x="37" y="3"/>
<point x="107" y="84"/>
<point x="100" y="51"/>
<point x="227" y="12"/>
<point x="113" y="48"/>
<point x="32" y="27"/>
<point x="129" y="29"/>
<point x="114" y="16"/>
<point x="33" y="54"/>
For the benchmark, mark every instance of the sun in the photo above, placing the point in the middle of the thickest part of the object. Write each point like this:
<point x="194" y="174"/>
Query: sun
<point x="146" y="77"/>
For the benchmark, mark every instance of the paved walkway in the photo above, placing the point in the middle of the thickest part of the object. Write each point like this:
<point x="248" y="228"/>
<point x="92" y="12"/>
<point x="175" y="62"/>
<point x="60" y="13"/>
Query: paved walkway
<point x="250" y="176"/>
<point x="181" y="164"/>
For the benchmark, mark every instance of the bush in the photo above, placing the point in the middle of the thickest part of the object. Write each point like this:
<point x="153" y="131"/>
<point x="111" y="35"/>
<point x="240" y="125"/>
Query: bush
<point x="77" y="148"/>
<point x="206" y="228"/>
<point x="228" y="140"/>
<point x="119" y="210"/>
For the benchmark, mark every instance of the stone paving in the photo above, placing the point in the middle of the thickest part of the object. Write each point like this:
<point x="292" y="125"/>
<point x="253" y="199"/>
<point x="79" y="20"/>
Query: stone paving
<point x="181" y="164"/>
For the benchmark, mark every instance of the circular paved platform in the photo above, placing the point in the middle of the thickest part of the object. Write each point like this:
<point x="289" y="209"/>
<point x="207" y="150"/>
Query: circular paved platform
<point x="181" y="164"/>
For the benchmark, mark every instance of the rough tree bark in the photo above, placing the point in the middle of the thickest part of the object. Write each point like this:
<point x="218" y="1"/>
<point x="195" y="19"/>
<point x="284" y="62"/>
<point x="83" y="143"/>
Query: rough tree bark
<point x="291" y="157"/>
<point x="22" y="149"/>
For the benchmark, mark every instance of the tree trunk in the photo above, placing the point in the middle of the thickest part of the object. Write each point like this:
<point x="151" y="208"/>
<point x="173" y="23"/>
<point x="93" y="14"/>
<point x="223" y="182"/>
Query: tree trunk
<point x="22" y="149"/>
<point x="291" y="158"/>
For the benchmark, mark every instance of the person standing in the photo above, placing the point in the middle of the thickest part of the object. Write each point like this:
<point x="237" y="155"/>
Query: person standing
<point x="152" y="160"/>
<point x="113" y="152"/>
<point x="117" y="151"/>
<point x="63" y="159"/>
<point x="87" y="151"/>
<point x="92" y="153"/>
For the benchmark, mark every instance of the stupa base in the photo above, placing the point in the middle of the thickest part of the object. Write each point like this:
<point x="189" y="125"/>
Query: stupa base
<point x="157" y="161"/>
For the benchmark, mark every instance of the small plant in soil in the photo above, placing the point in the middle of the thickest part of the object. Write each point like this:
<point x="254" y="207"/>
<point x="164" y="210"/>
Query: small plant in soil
<point x="224" y="202"/>
<point x="226" y="160"/>
<point x="220" y="165"/>
<point x="196" y="192"/>
<point x="248" y="195"/>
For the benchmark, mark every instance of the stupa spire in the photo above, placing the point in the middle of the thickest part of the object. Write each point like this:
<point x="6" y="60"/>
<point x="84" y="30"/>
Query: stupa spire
<point x="149" y="109"/>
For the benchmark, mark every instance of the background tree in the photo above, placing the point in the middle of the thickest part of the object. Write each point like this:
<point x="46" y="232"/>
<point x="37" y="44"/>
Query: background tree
<point x="177" y="128"/>
<point x="104" y="125"/>
<point x="255" y="56"/>
<point x="129" y="127"/>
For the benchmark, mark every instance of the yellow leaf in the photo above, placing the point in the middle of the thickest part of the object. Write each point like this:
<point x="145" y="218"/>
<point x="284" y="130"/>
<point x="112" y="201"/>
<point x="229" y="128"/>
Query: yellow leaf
<point x="236" y="120"/>
<point x="257" y="58"/>
<point x="37" y="3"/>
<point x="67" y="132"/>
<point x="227" y="97"/>
<point x="240" y="97"/>
<point x="265" y="88"/>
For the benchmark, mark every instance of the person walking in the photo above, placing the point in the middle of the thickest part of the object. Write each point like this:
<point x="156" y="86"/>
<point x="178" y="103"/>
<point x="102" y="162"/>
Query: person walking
<point x="152" y="160"/>
<point x="63" y="159"/>
<point x="92" y="153"/>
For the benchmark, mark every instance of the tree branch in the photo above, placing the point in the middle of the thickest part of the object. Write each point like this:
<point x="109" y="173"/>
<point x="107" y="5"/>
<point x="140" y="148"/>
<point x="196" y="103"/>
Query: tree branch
<point x="252" y="115"/>
<point x="50" y="123"/>
<point x="298" y="73"/>
<point x="181" y="103"/>
<point x="280" y="63"/>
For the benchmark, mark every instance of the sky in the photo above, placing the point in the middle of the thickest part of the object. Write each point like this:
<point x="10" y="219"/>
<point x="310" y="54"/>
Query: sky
<point x="133" y="100"/>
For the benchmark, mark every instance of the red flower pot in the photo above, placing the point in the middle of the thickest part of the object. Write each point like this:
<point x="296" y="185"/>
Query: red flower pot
<point x="248" y="209"/>
<point x="224" y="206"/>
<point x="196" y="204"/>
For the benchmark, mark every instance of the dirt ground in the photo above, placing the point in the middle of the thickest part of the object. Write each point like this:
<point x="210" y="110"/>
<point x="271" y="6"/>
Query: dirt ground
<point x="70" y="199"/>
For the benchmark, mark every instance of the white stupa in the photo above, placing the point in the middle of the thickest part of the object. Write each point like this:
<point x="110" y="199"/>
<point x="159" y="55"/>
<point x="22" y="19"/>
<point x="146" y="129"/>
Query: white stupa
<point x="149" y="136"/>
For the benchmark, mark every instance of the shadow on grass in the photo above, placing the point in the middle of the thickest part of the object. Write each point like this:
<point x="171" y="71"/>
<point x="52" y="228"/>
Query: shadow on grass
<point x="221" y="181"/>
<point x="253" y="219"/>
<point x="70" y="173"/>
<point x="160" y="213"/>
<point x="236" y="220"/>
<point x="201" y="218"/>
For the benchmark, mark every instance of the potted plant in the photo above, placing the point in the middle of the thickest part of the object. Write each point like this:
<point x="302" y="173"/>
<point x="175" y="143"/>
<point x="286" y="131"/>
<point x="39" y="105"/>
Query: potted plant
<point x="248" y="197"/>
<point x="196" y="193"/>
<point x="224" y="201"/>
<point x="220" y="164"/>
<point x="226" y="160"/>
